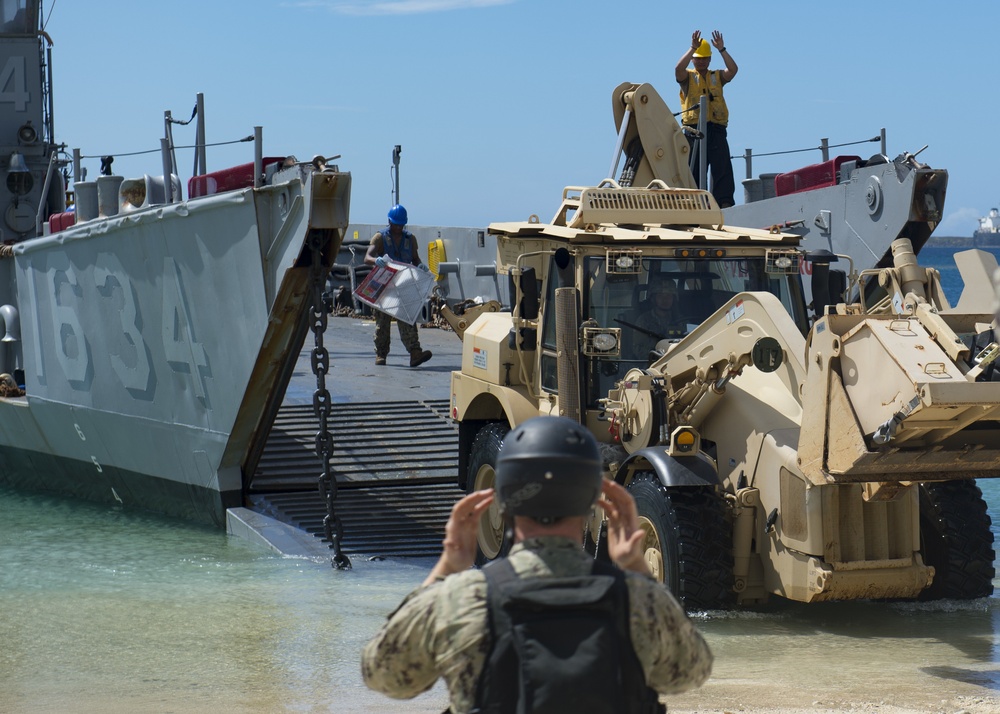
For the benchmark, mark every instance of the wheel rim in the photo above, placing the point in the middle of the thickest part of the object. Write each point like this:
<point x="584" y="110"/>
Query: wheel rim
<point x="652" y="548"/>
<point x="490" y="532"/>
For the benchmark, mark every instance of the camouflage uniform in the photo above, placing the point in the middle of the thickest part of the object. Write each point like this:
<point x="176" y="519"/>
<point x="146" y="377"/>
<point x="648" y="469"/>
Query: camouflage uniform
<point x="383" y="321"/>
<point x="383" y="326"/>
<point x="442" y="631"/>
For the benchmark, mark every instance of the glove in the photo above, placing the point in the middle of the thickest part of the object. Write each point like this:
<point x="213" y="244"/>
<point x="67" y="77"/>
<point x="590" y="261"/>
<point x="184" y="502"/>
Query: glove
<point x="424" y="268"/>
<point x="381" y="261"/>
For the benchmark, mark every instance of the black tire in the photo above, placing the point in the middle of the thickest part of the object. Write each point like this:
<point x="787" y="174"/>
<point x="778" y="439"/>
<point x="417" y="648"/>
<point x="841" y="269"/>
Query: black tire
<point x="688" y="541"/>
<point x="955" y="538"/>
<point x="493" y="540"/>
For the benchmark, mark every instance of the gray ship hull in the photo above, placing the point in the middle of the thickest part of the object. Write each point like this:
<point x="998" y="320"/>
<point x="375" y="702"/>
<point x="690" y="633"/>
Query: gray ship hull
<point x="986" y="239"/>
<point x="868" y="205"/>
<point x="157" y="344"/>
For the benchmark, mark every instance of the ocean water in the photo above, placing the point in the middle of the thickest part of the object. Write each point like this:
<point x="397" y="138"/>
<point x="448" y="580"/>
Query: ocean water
<point x="103" y="610"/>
<point x="110" y="611"/>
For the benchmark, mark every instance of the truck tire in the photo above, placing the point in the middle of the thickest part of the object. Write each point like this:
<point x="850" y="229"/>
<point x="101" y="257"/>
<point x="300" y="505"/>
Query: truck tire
<point x="688" y="541"/>
<point x="492" y="538"/>
<point x="956" y="539"/>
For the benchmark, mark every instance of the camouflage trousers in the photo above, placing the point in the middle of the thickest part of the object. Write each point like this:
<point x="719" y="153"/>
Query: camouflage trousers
<point x="383" y="325"/>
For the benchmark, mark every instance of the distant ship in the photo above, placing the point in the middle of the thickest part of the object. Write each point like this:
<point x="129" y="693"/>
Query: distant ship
<point x="988" y="233"/>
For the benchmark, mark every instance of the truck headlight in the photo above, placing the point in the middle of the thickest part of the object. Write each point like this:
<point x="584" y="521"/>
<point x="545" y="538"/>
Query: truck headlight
<point x="605" y="342"/>
<point x="601" y="341"/>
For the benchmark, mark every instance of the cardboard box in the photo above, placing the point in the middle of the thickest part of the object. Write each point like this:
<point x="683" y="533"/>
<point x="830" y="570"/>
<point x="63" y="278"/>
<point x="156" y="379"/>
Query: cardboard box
<point x="398" y="289"/>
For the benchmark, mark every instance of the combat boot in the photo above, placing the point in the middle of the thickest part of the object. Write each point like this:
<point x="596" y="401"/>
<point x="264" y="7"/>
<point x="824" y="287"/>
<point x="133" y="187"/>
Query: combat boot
<point x="419" y="356"/>
<point x="379" y="360"/>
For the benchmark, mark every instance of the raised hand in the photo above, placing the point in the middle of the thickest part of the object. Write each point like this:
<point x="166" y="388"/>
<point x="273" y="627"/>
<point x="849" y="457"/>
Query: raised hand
<point x="625" y="538"/>
<point x="459" y="551"/>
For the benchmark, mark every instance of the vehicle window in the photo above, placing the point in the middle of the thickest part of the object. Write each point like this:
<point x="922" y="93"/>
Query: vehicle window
<point x="667" y="300"/>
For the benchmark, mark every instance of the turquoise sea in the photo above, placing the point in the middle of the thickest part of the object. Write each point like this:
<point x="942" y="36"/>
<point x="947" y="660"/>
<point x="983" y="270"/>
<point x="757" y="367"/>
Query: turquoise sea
<point x="109" y="611"/>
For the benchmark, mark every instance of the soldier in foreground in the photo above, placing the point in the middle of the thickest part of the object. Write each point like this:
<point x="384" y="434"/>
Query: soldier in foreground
<point x="548" y="628"/>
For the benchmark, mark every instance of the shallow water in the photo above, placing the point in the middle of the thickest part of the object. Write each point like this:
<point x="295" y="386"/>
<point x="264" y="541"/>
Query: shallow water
<point x="111" y="611"/>
<point x="103" y="608"/>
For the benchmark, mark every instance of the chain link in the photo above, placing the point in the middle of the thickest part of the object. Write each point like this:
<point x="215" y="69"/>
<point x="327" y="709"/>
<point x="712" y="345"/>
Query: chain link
<point x="321" y="403"/>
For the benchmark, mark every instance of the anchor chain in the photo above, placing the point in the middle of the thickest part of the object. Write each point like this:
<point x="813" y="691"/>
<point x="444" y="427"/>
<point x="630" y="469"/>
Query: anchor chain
<point x="322" y="403"/>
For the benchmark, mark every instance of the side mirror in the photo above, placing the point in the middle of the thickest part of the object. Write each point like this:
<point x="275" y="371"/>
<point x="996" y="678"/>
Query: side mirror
<point x="528" y="302"/>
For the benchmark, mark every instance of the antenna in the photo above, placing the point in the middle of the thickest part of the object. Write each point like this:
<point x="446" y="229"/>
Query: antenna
<point x="395" y="167"/>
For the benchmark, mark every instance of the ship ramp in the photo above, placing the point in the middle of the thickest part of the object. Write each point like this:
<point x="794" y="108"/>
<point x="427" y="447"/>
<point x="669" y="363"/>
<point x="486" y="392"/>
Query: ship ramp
<point x="395" y="448"/>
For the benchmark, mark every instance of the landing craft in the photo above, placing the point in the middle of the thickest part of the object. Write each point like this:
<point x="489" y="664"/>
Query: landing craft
<point x="149" y="337"/>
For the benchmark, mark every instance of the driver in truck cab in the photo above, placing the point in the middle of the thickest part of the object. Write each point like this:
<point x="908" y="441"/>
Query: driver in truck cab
<point x="661" y="319"/>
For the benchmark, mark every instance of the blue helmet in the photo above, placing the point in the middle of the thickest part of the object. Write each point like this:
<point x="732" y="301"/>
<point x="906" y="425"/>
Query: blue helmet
<point x="397" y="215"/>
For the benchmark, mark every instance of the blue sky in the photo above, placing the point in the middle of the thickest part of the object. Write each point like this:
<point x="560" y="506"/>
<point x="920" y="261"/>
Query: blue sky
<point x="499" y="104"/>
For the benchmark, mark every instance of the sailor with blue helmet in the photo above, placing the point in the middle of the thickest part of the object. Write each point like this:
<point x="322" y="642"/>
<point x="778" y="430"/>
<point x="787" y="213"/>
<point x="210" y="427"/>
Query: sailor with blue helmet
<point x="397" y="244"/>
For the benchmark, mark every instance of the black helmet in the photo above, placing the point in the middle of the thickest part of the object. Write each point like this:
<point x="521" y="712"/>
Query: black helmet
<point x="548" y="468"/>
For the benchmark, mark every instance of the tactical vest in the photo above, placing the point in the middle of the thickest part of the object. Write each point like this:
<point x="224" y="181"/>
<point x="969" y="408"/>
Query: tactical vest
<point x="561" y="645"/>
<point x="403" y="254"/>
<point x="711" y="84"/>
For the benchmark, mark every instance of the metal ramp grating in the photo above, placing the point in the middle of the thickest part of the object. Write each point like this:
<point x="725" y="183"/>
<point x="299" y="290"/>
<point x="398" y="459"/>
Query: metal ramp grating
<point x="395" y="463"/>
<point x="392" y="440"/>
<point x="387" y="519"/>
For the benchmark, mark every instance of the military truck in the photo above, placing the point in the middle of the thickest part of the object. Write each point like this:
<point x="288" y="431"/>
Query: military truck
<point x="772" y="449"/>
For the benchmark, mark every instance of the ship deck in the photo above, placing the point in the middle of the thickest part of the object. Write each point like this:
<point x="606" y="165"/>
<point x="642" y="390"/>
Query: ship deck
<point x="395" y="451"/>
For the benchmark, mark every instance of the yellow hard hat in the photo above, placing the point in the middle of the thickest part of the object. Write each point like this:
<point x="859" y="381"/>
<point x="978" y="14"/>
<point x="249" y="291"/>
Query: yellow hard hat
<point x="704" y="49"/>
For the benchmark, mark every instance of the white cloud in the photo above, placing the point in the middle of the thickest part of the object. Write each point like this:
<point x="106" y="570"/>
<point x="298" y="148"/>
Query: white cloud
<point x="960" y="222"/>
<point x="396" y="7"/>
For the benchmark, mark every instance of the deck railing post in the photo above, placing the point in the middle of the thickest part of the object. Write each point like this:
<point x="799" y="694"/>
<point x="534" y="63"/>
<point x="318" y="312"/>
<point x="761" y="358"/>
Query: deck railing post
<point x="258" y="157"/>
<point x="703" y="142"/>
<point x="168" y="179"/>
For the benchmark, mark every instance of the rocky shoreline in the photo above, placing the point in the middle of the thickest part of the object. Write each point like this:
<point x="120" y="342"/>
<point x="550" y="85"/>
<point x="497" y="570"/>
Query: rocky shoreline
<point x="950" y="242"/>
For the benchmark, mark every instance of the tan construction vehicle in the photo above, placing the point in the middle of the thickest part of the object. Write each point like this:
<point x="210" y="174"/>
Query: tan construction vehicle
<point x="770" y="452"/>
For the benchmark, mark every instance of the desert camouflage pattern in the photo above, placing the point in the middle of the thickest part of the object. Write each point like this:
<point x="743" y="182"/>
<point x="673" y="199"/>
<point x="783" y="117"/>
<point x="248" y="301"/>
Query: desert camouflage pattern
<point x="442" y="630"/>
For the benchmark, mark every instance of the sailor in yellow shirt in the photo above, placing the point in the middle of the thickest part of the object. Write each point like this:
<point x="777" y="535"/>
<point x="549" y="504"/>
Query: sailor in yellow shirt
<point x="694" y="83"/>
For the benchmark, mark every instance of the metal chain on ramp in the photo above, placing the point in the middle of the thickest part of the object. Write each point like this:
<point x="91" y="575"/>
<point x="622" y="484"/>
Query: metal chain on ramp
<point x="332" y="527"/>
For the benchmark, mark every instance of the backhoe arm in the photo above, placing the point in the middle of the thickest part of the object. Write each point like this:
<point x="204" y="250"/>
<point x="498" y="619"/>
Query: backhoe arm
<point x="750" y="330"/>
<point x="650" y="138"/>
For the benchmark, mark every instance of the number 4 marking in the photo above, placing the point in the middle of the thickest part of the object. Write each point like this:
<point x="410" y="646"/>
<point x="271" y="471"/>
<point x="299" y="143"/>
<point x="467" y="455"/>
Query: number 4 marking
<point x="183" y="352"/>
<point x="12" y="84"/>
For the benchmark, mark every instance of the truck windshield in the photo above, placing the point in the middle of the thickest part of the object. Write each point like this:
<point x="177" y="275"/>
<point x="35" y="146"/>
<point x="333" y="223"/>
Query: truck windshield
<point x="669" y="297"/>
